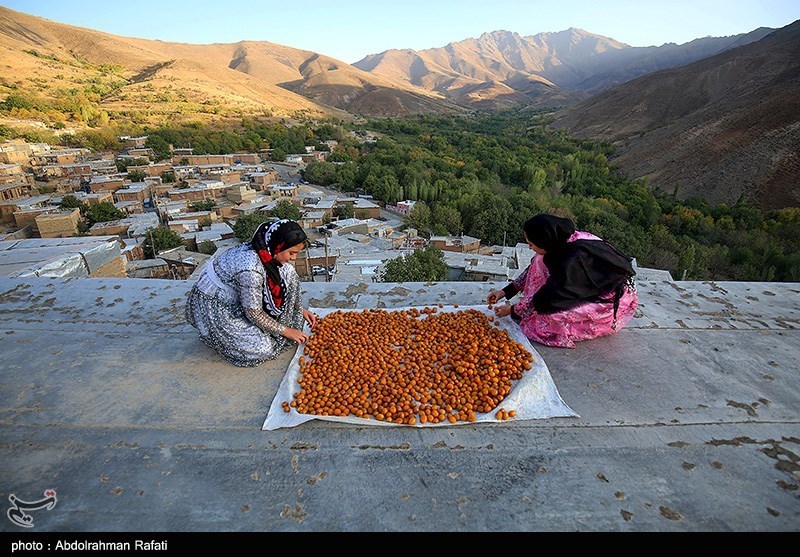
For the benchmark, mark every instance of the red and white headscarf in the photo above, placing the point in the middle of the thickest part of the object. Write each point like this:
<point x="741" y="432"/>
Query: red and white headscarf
<point x="269" y="239"/>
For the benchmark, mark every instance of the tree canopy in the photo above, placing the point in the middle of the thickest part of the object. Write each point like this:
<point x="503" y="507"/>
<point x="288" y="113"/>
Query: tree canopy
<point x="103" y="212"/>
<point x="245" y="226"/>
<point x="421" y="265"/>
<point x="285" y="209"/>
<point x="159" y="239"/>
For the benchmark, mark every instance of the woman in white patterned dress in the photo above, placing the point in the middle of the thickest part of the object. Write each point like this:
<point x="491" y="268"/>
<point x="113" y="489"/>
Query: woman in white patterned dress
<point x="246" y="304"/>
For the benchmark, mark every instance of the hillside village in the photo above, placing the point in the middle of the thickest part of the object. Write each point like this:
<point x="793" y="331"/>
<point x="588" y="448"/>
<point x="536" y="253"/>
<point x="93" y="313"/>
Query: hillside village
<point x="200" y="198"/>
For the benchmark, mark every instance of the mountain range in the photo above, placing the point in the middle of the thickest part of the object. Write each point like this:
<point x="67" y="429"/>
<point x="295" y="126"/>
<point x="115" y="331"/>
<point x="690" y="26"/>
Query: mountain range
<point x="716" y="117"/>
<point x="503" y="69"/>
<point x="723" y="128"/>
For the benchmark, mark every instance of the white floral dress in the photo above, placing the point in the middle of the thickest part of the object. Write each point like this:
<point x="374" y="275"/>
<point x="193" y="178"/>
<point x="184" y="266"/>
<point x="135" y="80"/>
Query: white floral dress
<point x="226" y="307"/>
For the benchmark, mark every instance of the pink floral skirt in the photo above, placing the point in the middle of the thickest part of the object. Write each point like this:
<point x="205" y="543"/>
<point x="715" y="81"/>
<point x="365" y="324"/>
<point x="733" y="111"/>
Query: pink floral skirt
<point x="593" y="320"/>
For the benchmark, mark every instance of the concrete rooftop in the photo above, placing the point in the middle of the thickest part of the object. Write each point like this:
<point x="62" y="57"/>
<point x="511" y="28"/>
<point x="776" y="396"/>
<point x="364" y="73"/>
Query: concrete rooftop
<point x="690" y="421"/>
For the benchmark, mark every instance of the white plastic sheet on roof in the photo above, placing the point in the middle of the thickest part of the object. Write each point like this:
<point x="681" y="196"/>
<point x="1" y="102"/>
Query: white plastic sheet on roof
<point x="534" y="397"/>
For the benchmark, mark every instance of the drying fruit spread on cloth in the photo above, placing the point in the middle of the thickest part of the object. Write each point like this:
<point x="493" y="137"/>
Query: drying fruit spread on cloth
<point x="408" y="367"/>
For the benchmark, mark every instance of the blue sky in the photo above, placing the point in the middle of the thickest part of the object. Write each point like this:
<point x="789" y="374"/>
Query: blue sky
<point x="351" y="29"/>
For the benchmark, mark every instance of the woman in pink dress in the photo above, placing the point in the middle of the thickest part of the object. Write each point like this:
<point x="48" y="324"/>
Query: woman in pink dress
<point x="577" y="286"/>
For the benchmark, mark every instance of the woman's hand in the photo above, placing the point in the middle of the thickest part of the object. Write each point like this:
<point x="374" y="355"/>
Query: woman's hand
<point x="310" y="318"/>
<point x="495" y="296"/>
<point x="298" y="337"/>
<point x="503" y="310"/>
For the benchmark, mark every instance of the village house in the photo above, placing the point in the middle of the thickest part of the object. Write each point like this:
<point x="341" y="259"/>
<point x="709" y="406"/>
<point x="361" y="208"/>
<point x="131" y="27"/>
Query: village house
<point x="103" y="166"/>
<point x="312" y="219"/>
<point x="132" y="248"/>
<point x="129" y="207"/>
<point x="261" y="180"/>
<point x="14" y="191"/>
<point x="182" y="262"/>
<point x="461" y="244"/>
<point x="198" y="216"/>
<point x="60" y="156"/>
<point x="325" y="204"/>
<point x="314" y="156"/>
<point x="348" y="226"/>
<point x="132" y="226"/>
<point x="75" y="170"/>
<point x="18" y="151"/>
<point x="184" y="228"/>
<point x="365" y="209"/>
<point x="87" y="198"/>
<point x="181" y="151"/>
<point x="241" y="193"/>
<point x="133" y="142"/>
<point x="191" y="194"/>
<point x="138" y="153"/>
<point x="147" y="268"/>
<point x="162" y="190"/>
<point x="79" y="257"/>
<point x="283" y="190"/>
<point x="199" y="160"/>
<point x="185" y="172"/>
<point x="141" y="224"/>
<point x="246" y="158"/>
<point x="402" y="207"/>
<point x="13" y="173"/>
<point x="135" y="191"/>
<point x="8" y="208"/>
<point x="106" y="183"/>
<point x="153" y="169"/>
<point x="260" y="205"/>
<point x="111" y="228"/>
<point x="58" y="224"/>
<point x="26" y="216"/>
<point x="170" y="209"/>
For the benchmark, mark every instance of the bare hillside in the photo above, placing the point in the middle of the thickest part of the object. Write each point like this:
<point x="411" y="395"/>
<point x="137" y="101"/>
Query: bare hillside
<point x="174" y="80"/>
<point x="724" y="127"/>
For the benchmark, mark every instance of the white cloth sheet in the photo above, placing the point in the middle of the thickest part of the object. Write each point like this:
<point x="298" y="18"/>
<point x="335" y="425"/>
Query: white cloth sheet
<point x="534" y="397"/>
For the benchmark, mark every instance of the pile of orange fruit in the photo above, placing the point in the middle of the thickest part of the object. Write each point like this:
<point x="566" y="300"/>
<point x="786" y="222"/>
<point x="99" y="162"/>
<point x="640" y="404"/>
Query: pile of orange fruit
<point x="408" y="366"/>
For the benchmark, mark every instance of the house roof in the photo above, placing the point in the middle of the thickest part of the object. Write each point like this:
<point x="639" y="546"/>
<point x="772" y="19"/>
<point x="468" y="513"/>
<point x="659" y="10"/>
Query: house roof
<point x="687" y="422"/>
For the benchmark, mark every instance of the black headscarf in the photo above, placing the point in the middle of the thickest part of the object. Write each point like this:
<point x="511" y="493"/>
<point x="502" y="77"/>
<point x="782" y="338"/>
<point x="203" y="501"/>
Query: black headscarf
<point x="269" y="239"/>
<point x="582" y="271"/>
<point x="548" y="232"/>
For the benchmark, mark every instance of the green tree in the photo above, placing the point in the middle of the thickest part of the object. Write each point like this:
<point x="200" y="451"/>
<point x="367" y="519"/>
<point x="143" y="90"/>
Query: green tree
<point x="422" y="265"/>
<point x="207" y="247"/>
<point x="168" y="177"/>
<point x="245" y="226"/>
<point x="103" y="212"/>
<point x="337" y="156"/>
<point x="159" y="146"/>
<point x="344" y="211"/>
<point x="278" y="154"/>
<point x="70" y="202"/>
<point x="159" y="239"/>
<point x="205" y="205"/>
<point x="137" y="176"/>
<point x="285" y="209"/>
<point x="420" y="218"/>
<point x="447" y="218"/>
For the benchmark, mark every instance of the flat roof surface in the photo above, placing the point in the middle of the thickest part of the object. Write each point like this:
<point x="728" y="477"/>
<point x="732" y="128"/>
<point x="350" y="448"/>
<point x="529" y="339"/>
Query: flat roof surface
<point x="689" y="421"/>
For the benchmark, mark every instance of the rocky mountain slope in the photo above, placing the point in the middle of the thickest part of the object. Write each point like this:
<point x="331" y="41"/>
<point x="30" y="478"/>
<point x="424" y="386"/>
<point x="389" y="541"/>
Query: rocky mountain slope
<point x="503" y="69"/>
<point x="722" y="128"/>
